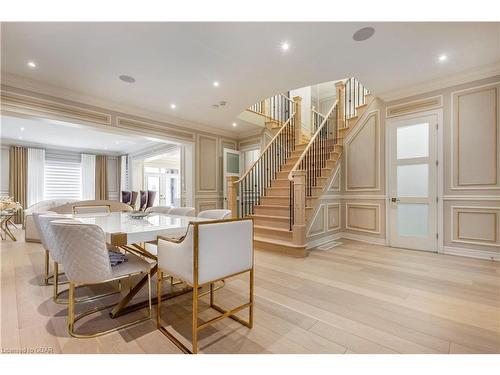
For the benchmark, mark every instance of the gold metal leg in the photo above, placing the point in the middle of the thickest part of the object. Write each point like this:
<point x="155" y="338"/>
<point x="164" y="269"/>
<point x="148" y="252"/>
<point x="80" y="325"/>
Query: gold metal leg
<point x="71" y="308"/>
<point x="195" y="319"/>
<point x="47" y="267"/>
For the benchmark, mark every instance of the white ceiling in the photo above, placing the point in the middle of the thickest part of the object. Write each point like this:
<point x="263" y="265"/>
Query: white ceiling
<point x="58" y="134"/>
<point x="177" y="62"/>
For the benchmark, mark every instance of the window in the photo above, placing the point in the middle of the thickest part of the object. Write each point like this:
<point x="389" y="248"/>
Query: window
<point x="63" y="180"/>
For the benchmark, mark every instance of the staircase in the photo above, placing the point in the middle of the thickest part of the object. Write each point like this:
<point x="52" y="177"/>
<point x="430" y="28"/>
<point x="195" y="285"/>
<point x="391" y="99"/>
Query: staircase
<point x="282" y="188"/>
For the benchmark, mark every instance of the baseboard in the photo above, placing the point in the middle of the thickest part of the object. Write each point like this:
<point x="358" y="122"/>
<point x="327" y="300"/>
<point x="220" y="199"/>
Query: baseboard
<point x="479" y="254"/>
<point x="362" y="238"/>
<point x="320" y="241"/>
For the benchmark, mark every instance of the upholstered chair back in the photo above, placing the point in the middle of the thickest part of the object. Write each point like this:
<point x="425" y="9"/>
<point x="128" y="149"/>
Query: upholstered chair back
<point x="42" y="234"/>
<point x="151" y="198"/>
<point x="126" y="196"/>
<point x="143" y="200"/>
<point x="133" y="200"/>
<point x="84" y="253"/>
<point x="47" y="235"/>
<point x="224" y="249"/>
<point x="215" y="214"/>
<point x="159" y="209"/>
<point x="182" y="211"/>
<point x="97" y="209"/>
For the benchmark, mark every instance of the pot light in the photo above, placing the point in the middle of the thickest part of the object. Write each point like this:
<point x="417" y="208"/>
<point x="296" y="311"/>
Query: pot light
<point x="216" y="83"/>
<point x="363" y="34"/>
<point x="443" y="58"/>
<point x="126" y="78"/>
<point x="234" y="124"/>
<point x="173" y="106"/>
<point x="20" y="137"/>
<point x="22" y="129"/>
<point x="285" y="46"/>
<point x="31" y="64"/>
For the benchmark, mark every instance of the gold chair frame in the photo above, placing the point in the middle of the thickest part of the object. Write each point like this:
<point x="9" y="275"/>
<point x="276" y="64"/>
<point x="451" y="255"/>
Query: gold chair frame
<point x="72" y="319"/>
<point x="196" y="293"/>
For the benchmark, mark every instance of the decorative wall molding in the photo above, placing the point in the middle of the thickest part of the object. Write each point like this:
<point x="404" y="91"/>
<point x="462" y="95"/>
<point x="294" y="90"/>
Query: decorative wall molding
<point x="137" y="125"/>
<point x="334" y="224"/>
<point x="33" y="106"/>
<point x="455" y="183"/>
<point x="377" y="197"/>
<point x="318" y="223"/>
<point x="470" y="253"/>
<point x="418" y="105"/>
<point x="335" y="182"/>
<point x="458" y="237"/>
<point x="207" y="164"/>
<point x="492" y="198"/>
<point x="376" y="186"/>
<point x="375" y="207"/>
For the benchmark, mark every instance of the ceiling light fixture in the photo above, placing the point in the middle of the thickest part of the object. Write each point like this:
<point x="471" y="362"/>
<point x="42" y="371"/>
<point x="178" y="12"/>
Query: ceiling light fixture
<point x="31" y="64"/>
<point x="126" y="78"/>
<point x="363" y="34"/>
<point x="285" y="46"/>
<point x="20" y="137"/>
<point x="22" y="129"/>
<point x="216" y="83"/>
<point x="234" y="124"/>
<point x="173" y="106"/>
<point x="443" y="58"/>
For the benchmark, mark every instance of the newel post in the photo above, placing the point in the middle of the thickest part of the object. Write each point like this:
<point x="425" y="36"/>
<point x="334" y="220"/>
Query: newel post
<point x="232" y="196"/>
<point x="297" y="100"/>
<point x="340" y="86"/>
<point x="299" y="208"/>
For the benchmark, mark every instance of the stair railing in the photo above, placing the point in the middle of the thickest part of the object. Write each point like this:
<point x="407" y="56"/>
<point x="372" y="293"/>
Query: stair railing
<point x="354" y="96"/>
<point x="259" y="176"/>
<point x="276" y="108"/>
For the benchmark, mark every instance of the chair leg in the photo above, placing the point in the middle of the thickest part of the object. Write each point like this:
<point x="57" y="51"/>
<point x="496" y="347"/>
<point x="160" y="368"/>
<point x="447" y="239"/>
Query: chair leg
<point x="56" y="282"/>
<point x="211" y="294"/>
<point x="47" y="267"/>
<point x="195" y="319"/>
<point x="159" y="277"/>
<point x="71" y="308"/>
<point x="250" y="311"/>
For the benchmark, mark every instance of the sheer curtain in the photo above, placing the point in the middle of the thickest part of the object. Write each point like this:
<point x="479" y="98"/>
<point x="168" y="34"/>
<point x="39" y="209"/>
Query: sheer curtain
<point x="88" y="177"/>
<point x="18" y="160"/>
<point x="36" y="175"/>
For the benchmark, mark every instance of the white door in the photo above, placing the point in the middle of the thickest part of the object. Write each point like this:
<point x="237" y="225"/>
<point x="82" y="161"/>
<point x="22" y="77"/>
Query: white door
<point x="231" y="167"/>
<point x="413" y="183"/>
<point x="154" y="182"/>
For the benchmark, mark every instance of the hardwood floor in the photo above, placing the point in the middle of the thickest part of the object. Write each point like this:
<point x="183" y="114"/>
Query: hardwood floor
<point x="354" y="298"/>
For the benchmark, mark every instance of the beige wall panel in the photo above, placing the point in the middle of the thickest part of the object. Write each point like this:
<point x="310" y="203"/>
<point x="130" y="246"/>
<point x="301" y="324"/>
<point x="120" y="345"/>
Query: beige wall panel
<point x="333" y="216"/>
<point x="206" y="204"/>
<point x="362" y="157"/>
<point x="363" y="217"/>
<point x="477" y="226"/>
<point x="318" y="224"/>
<point x="335" y="182"/>
<point x="207" y="163"/>
<point x="477" y="128"/>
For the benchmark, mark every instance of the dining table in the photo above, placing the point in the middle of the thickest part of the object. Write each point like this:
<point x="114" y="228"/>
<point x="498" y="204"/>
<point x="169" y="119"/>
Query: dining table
<point x="131" y="234"/>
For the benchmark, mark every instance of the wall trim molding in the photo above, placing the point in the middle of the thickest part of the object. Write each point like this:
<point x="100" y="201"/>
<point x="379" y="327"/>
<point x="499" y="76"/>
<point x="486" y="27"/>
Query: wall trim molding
<point x="478" y="210"/>
<point x="492" y="198"/>
<point x="466" y="76"/>
<point x="414" y="106"/>
<point x="368" y="206"/>
<point x="469" y="253"/>
<point x="354" y="197"/>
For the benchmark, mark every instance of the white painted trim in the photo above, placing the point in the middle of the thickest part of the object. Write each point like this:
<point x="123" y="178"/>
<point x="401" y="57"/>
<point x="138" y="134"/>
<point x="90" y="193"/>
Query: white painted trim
<point x="466" y="76"/>
<point x="493" y="198"/>
<point x="366" y="205"/>
<point x="339" y="224"/>
<point x="362" y="238"/>
<point x="353" y="197"/>
<point x="320" y="241"/>
<point x="470" y="253"/>
<point x="452" y="146"/>
<point x="477" y="208"/>
<point x="387" y="116"/>
<point x="335" y="173"/>
<point x="316" y="214"/>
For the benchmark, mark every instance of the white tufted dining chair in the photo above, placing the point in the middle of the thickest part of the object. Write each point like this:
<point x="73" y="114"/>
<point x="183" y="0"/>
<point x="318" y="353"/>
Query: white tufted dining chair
<point x="159" y="209"/>
<point x="215" y="214"/>
<point x="48" y="278"/>
<point x="211" y="251"/>
<point x="182" y="211"/>
<point x="86" y="262"/>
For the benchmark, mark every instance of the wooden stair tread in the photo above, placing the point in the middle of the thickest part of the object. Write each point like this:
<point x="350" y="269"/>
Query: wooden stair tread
<point x="282" y="230"/>
<point x="275" y="241"/>
<point x="272" y="217"/>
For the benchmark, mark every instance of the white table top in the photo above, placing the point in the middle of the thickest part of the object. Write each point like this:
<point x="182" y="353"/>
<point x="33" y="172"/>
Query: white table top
<point x="137" y="230"/>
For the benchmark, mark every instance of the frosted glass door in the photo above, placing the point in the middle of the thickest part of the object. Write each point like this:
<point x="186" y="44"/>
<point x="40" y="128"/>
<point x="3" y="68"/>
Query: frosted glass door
<point x="413" y="183"/>
<point x="231" y="165"/>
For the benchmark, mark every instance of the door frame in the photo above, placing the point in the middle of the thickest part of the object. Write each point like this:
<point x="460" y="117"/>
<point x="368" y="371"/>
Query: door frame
<point x="440" y="172"/>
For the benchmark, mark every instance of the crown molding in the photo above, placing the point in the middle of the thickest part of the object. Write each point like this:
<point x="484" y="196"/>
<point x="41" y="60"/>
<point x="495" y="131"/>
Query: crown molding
<point x="469" y="75"/>
<point x="38" y="87"/>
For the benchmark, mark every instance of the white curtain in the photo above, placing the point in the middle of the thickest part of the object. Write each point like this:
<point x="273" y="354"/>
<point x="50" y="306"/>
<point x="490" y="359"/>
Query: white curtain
<point x="36" y="175"/>
<point x="88" y="177"/>
<point x="124" y="182"/>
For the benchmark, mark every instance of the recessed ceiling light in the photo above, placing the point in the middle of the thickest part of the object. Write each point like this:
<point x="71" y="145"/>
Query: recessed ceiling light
<point x="31" y="64"/>
<point x="105" y="148"/>
<point x="216" y="83"/>
<point x="173" y="106"/>
<point x="126" y="78"/>
<point x="22" y="129"/>
<point x="363" y="34"/>
<point x="234" y="124"/>
<point x="443" y="58"/>
<point x="20" y="137"/>
<point x="285" y="46"/>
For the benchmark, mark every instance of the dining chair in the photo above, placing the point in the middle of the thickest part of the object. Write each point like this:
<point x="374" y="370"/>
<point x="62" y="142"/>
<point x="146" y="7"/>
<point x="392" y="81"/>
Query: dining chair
<point x="159" y="209"/>
<point x="215" y="214"/>
<point x="182" y="211"/>
<point x="210" y="251"/>
<point x="143" y="200"/>
<point x="42" y="234"/>
<point x="126" y="196"/>
<point x="151" y="198"/>
<point x="91" y="209"/>
<point x="86" y="261"/>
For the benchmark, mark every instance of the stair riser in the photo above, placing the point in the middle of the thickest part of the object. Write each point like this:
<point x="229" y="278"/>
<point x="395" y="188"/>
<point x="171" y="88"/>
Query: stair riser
<point x="280" y="192"/>
<point x="272" y="223"/>
<point x="283" y="201"/>
<point x="273" y="211"/>
<point x="280" y="183"/>
<point x="269" y="233"/>
<point x="275" y="248"/>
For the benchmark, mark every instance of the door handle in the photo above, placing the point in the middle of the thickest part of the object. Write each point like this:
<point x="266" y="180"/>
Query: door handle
<point x="395" y="200"/>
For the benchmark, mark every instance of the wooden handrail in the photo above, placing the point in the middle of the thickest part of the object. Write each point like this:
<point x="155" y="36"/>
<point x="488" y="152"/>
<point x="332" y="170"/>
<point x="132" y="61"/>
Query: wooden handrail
<point x="290" y="175"/>
<point x="267" y="147"/>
